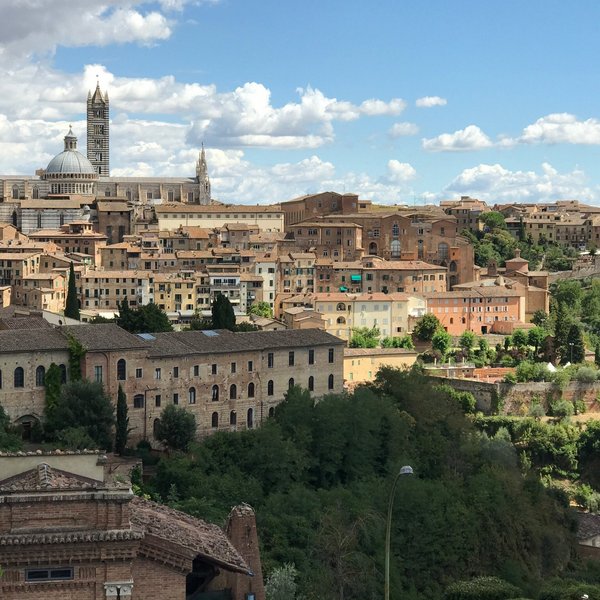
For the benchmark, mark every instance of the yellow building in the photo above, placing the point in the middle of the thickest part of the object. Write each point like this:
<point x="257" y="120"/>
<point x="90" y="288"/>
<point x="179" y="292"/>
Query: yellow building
<point x="362" y="364"/>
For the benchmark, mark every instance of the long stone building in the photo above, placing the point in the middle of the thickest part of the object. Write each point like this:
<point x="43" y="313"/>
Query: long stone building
<point x="227" y="380"/>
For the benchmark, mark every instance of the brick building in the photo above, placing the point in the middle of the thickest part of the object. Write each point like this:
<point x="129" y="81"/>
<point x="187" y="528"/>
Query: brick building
<point x="228" y="380"/>
<point x="72" y="529"/>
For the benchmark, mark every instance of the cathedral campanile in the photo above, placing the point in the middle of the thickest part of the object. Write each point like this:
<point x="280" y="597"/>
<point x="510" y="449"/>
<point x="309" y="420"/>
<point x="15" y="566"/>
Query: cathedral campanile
<point x="98" y="146"/>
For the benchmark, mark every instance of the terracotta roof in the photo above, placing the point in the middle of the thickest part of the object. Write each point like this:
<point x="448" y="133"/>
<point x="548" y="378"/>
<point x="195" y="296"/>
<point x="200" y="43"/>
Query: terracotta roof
<point x="196" y="536"/>
<point x="378" y="351"/>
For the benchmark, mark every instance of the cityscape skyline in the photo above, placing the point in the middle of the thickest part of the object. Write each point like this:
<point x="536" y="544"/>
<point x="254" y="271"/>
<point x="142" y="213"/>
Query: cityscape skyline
<point x="493" y="101"/>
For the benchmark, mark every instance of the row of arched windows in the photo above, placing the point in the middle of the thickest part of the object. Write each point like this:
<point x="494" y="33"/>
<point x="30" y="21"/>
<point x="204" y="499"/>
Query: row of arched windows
<point x="233" y="419"/>
<point x="40" y="376"/>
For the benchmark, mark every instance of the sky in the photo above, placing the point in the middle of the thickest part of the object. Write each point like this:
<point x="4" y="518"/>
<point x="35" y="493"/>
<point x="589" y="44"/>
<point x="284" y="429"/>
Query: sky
<point x="399" y="101"/>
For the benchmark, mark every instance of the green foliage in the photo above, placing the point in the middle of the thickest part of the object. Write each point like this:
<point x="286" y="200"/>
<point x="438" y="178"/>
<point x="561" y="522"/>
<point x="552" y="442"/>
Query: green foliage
<point x="441" y="341"/>
<point x="75" y="438"/>
<point x="562" y="326"/>
<point x="144" y="319"/>
<point x="261" y="309"/>
<point x="562" y="409"/>
<point x="536" y="337"/>
<point x="364" y="337"/>
<point x="586" y="375"/>
<point x="72" y="300"/>
<point x="245" y="326"/>
<point x="481" y="588"/>
<point x="76" y="354"/>
<point x="564" y="589"/>
<point x="122" y="427"/>
<point x="222" y="313"/>
<point x="532" y="371"/>
<point x="493" y="220"/>
<point x="426" y="326"/>
<point x="559" y="258"/>
<point x="575" y="345"/>
<point x="199" y="323"/>
<point x="176" y="427"/>
<point x="465" y="400"/>
<point x="588" y="451"/>
<point x="540" y="318"/>
<point x="404" y="341"/>
<point x="52" y="383"/>
<point x="519" y="338"/>
<point x="9" y="439"/>
<point x="467" y="341"/>
<point x="281" y="583"/>
<point x="82" y="405"/>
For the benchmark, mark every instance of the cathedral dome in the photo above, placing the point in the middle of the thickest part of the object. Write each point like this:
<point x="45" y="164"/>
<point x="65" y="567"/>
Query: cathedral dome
<point x="70" y="161"/>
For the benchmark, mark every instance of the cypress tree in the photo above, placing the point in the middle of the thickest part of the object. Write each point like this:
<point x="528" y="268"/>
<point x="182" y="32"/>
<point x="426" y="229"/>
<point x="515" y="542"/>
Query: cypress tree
<point x="575" y="345"/>
<point x="122" y="427"/>
<point x="597" y="355"/>
<point x="72" y="302"/>
<point x="223" y="316"/>
<point x="562" y="325"/>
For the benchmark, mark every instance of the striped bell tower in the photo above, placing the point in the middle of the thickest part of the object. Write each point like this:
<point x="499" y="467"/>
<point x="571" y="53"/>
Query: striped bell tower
<point x="98" y="141"/>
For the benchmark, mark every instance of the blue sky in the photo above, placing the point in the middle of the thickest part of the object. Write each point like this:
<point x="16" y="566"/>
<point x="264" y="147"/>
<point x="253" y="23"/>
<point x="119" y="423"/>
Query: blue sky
<point x="398" y="101"/>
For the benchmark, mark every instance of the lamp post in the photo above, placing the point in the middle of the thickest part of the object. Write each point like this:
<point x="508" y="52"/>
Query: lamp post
<point x="406" y="470"/>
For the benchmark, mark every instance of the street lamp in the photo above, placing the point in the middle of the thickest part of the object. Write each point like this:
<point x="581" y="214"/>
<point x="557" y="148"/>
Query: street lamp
<point x="406" y="470"/>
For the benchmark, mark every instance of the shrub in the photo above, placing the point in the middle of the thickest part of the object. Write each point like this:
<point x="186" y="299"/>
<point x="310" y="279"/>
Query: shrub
<point x="481" y="588"/>
<point x="561" y="409"/>
<point x="586" y="375"/>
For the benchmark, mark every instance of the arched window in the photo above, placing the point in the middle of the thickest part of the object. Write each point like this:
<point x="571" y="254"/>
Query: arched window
<point x="39" y="220"/>
<point x="121" y="369"/>
<point x="395" y="249"/>
<point x="36" y="193"/>
<point x="270" y="388"/>
<point x="311" y="384"/>
<point x="452" y="266"/>
<point x="215" y="393"/>
<point x="128" y="195"/>
<point x="61" y="218"/>
<point x="395" y="230"/>
<point x="214" y="421"/>
<point x="341" y="321"/>
<point x="250" y="419"/>
<point x="19" y="377"/>
<point x="341" y="306"/>
<point x="233" y="418"/>
<point x="250" y="390"/>
<point x="138" y="401"/>
<point x="192" y="395"/>
<point x="290" y="383"/>
<point x="372" y="248"/>
<point x="232" y="391"/>
<point x="271" y="412"/>
<point x="442" y="251"/>
<point x="420" y="249"/>
<point x="63" y="373"/>
<point x="330" y="382"/>
<point x="15" y="192"/>
<point x="40" y="375"/>
<point x="0" y="380"/>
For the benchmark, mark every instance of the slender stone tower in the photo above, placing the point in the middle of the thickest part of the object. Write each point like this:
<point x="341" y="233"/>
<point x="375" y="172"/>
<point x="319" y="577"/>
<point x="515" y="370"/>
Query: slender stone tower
<point x="98" y="141"/>
<point x="203" y="179"/>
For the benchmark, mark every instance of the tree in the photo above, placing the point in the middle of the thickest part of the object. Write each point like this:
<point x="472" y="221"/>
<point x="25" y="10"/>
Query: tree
<point x="426" y="326"/>
<point x="576" y="345"/>
<point x="562" y="326"/>
<point x="261" y="309"/>
<point x="144" y="319"/>
<point x="467" y="341"/>
<point x="9" y="440"/>
<point x="281" y="583"/>
<point x="83" y="405"/>
<point x="72" y="301"/>
<point x="536" y="337"/>
<point x="519" y="338"/>
<point x="364" y="337"/>
<point x="223" y="316"/>
<point x="53" y="384"/>
<point x="540" y="318"/>
<point x="122" y="427"/>
<point x="404" y="341"/>
<point x="441" y="341"/>
<point x="597" y="354"/>
<point x="176" y="427"/>
<point x="493" y="220"/>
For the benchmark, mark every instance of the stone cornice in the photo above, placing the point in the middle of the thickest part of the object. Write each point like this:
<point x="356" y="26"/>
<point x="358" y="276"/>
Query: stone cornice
<point x="71" y="537"/>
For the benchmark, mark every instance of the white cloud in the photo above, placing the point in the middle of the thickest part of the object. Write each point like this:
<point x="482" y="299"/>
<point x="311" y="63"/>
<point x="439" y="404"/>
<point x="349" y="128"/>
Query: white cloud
<point x="400" y="172"/>
<point x="562" y="128"/>
<point x="469" y="138"/>
<point x="429" y="101"/>
<point x="493" y="182"/>
<point x="402" y="129"/>
<point x="374" y="107"/>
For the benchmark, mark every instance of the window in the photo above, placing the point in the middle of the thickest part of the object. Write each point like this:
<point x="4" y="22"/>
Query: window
<point x="139" y="373"/>
<point x="215" y="393"/>
<point x="250" y="366"/>
<point x="271" y="412"/>
<point x="270" y="360"/>
<point x="291" y="358"/>
<point x="138" y="401"/>
<point x="233" y="367"/>
<point x="233" y="418"/>
<point x="270" y="388"/>
<point x="196" y="370"/>
<point x="40" y="375"/>
<point x="213" y="369"/>
<point x="330" y="382"/>
<point x="250" y="390"/>
<point x="311" y="384"/>
<point x="0" y="380"/>
<point x="233" y="391"/>
<point x="176" y="372"/>
<point x="19" y="379"/>
<point x="331" y="355"/>
<point x="57" y="574"/>
<point x="157" y="400"/>
<point x="157" y="373"/>
<point x="311" y="357"/>
<point x="192" y="395"/>
<point x="175" y="399"/>
<point x="121" y="369"/>
<point x="214" y="421"/>
<point x="98" y="373"/>
<point x="250" y="419"/>
<point x="63" y="373"/>
<point x="290" y="383"/>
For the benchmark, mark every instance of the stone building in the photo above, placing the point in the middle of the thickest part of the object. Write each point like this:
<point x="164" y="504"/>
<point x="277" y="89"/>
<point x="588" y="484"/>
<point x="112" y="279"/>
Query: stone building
<point x="98" y="134"/>
<point x="72" y="529"/>
<point x="228" y="380"/>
